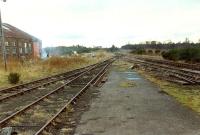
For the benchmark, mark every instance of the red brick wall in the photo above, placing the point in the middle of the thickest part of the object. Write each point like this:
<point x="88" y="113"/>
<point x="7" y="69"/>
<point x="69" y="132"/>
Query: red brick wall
<point x="36" y="50"/>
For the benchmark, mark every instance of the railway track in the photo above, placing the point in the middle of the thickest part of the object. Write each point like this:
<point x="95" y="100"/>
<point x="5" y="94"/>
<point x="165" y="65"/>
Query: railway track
<point x="38" y="115"/>
<point x="169" y="72"/>
<point x="189" y="66"/>
<point x="21" y="89"/>
<point x="22" y="98"/>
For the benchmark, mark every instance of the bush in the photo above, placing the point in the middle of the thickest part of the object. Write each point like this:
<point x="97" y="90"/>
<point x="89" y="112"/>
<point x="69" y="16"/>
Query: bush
<point x="171" y="55"/>
<point x="13" y="78"/>
<point x="191" y="54"/>
<point x="188" y="55"/>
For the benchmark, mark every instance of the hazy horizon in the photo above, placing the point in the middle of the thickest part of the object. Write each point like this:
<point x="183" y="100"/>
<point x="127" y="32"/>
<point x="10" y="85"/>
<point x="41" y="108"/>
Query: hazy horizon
<point x="104" y="22"/>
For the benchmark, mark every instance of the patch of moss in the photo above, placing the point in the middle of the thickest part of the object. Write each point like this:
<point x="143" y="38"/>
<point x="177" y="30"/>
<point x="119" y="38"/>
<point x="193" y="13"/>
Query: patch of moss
<point x="127" y="84"/>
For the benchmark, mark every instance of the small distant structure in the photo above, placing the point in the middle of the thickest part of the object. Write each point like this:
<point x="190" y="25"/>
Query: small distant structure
<point x="20" y="44"/>
<point x="99" y="47"/>
<point x="75" y="53"/>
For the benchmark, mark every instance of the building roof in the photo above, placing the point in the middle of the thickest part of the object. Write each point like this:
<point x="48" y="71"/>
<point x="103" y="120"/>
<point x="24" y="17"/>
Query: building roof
<point x="11" y="31"/>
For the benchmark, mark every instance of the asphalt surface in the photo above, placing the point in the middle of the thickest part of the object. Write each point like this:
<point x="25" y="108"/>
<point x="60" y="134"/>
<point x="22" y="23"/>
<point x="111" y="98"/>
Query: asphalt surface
<point x="137" y="110"/>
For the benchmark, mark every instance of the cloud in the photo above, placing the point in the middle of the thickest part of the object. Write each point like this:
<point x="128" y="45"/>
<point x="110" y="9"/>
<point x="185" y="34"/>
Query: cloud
<point x="104" y="22"/>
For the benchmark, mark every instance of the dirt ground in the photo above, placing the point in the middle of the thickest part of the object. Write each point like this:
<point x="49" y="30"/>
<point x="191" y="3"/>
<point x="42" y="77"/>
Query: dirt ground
<point x="131" y="105"/>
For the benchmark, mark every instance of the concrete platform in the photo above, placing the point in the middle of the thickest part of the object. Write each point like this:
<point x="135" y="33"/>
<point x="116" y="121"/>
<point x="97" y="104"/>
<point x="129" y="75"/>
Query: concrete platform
<point x="137" y="110"/>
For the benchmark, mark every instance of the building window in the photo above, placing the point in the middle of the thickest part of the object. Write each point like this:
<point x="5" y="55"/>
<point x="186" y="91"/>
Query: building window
<point x="25" y="45"/>
<point x="29" y="48"/>
<point x="14" y="51"/>
<point x="13" y="43"/>
<point x="6" y="43"/>
<point x="26" y="48"/>
<point x="20" y="50"/>
<point x="7" y="50"/>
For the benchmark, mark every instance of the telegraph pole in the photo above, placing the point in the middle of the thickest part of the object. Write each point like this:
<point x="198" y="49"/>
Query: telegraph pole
<point x="2" y="42"/>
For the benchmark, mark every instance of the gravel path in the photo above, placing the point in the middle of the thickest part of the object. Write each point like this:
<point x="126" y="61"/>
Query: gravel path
<point x="130" y="105"/>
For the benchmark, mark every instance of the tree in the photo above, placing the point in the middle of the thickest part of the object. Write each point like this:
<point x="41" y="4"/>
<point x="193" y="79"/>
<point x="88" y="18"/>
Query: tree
<point x="187" y="40"/>
<point x="113" y="48"/>
<point x="153" y="42"/>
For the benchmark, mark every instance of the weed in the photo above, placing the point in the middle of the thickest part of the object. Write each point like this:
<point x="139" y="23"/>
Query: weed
<point x="13" y="78"/>
<point x="33" y="69"/>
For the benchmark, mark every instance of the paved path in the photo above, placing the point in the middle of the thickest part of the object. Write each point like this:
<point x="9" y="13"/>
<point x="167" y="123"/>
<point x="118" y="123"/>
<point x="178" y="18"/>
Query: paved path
<point x="138" y="110"/>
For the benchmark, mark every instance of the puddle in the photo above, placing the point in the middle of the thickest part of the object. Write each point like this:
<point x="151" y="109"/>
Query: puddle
<point x="133" y="78"/>
<point x="130" y="75"/>
<point x="129" y="72"/>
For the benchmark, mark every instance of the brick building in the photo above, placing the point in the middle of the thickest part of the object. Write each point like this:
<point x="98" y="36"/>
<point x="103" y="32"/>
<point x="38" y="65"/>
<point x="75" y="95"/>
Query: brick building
<point x="19" y="43"/>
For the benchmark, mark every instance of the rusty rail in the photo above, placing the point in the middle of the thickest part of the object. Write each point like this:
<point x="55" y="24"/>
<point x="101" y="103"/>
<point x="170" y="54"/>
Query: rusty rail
<point x="5" y="120"/>
<point x="73" y="100"/>
<point x="34" y="88"/>
<point x="178" y="74"/>
<point x="77" y="71"/>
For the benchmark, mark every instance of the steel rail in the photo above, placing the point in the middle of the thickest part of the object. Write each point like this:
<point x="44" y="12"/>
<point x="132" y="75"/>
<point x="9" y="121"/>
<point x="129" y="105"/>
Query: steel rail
<point x="178" y="75"/>
<point x="188" y="73"/>
<point x="174" y="67"/>
<point x="72" y="100"/>
<point x="175" y="72"/>
<point x="176" y="64"/>
<point x="165" y="67"/>
<point x="100" y="78"/>
<point x="5" y="120"/>
<point x="35" y="87"/>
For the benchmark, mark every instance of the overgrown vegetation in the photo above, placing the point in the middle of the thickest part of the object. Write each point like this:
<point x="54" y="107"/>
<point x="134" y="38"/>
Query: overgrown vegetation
<point x="13" y="78"/>
<point x="34" y="69"/>
<point x="188" y="55"/>
<point x="164" y="45"/>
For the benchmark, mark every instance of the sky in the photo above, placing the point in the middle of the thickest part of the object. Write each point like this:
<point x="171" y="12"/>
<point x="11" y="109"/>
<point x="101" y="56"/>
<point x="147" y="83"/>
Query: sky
<point x="104" y="22"/>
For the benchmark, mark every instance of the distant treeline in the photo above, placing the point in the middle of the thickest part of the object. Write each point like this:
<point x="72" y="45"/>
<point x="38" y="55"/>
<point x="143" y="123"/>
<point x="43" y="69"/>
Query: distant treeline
<point x="161" y="46"/>
<point x="179" y="54"/>
<point x="64" y="50"/>
<point x="188" y="55"/>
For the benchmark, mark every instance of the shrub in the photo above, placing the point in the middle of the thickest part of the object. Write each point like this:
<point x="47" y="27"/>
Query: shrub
<point x="188" y="55"/>
<point x="171" y="55"/>
<point x="13" y="78"/>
